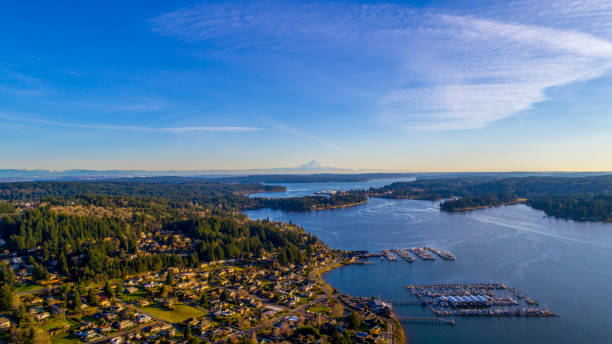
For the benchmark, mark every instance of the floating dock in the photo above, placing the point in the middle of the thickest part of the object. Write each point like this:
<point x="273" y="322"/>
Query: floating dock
<point x="477" y="299"/>
<point x="422" y="253"/>
<point x="442" y="254"/>
<point x="389" y="255"/>
<point x="403" y="252"/>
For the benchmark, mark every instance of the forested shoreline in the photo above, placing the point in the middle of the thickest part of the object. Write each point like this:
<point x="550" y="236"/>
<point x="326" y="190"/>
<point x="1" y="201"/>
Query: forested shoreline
<point x="472" y="203"/>
<point x="225" y="196"/>
<point x="575" y="198"/>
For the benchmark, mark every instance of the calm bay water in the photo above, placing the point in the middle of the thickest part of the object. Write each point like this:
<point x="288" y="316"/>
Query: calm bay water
<point x="565" y="265"/>
<point x="307" y="189"/>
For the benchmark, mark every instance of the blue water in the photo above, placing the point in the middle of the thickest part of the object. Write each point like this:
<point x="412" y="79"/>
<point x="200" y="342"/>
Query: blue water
<point x="308" y="189"/>
<point x="566" y="265"/>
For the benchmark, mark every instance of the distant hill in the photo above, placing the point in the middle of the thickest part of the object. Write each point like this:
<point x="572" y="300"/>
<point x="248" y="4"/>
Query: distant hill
<point x="282" y="174"/>
<point x="9" y="175"/>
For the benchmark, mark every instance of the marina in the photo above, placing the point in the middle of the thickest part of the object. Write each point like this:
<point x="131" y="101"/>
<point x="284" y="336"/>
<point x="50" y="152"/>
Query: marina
<point x="477" y="299"/>
<point x="514" y="245"/>
<point x="403" y="253"/>
<point x="423" y="252"/>
<point x="389" y="255"/>
<point x="442" y="254"/>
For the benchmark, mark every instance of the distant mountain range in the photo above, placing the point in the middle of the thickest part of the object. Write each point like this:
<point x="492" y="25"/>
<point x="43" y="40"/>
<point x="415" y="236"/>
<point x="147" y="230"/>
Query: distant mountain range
<point x="310" y="168"/>
<point x="39" y="175"/>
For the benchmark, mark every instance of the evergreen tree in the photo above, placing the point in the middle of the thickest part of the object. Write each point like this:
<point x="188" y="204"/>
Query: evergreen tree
<point x="62" y="264"/>
<point x="76" y="300"/>
<point x="355" y="320"/>
<point x="92" y="297"/>
<point x="108" y="290"/>
<point x="7" y="275"/>
<point x="282" y="258"/>
<point x="204" y="301"/>
<point x="170" y="278"/>
<point x="7" y="298"/>
<point x="39" y="272"/>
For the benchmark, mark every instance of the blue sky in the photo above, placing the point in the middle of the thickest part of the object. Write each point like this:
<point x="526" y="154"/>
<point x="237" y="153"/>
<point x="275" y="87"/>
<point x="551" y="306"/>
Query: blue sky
<point x="414" y="86"/>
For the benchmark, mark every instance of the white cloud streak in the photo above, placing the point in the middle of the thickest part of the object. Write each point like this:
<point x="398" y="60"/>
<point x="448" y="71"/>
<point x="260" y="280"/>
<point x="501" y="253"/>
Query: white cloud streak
<point x="38" y="120"/>
<point x="471" y="68"/>
<point x="292" y="131"/>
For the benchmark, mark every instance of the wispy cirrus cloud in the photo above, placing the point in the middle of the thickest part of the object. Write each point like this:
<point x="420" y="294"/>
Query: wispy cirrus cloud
<point x="15" y="83"/>
<point x="500" y="70"/>
<point x="28" y="119"/>
<point x="470" y="68"/>
<point x="300" y="133"/>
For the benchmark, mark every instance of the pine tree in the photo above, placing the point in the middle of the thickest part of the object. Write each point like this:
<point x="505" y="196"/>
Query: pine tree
<point x="76" y="299"/>
<point x="62" y="264"/>
<point x="7" y="275"/>
<point x="92" y="297"/>
<point x="7" y="298"/>
<point x="108" y="290"/>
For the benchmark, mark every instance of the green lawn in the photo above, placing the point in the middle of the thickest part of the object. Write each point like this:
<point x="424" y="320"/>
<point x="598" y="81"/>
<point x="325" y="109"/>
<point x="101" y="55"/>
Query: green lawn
<point x="319" y="309"/>
<point x="139" y="295"/>
<point x="181" y="312"/>
<point x="56" y="323"/>
<point x="25" y="287"/>
<point x="62" y="337"/>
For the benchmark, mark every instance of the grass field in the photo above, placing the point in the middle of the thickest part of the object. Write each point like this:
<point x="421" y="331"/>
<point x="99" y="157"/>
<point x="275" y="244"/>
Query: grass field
<point x="319" y="309"/>
<point x="139" y="295"/>
<point x="180" y="313"/>
<point x="25" y="287"/>
<point x="62" y="337"/>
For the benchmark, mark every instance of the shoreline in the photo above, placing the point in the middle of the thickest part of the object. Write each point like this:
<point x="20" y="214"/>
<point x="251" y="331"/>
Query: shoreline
<point x="398" y="331"/>
<point x="341" y="206"/>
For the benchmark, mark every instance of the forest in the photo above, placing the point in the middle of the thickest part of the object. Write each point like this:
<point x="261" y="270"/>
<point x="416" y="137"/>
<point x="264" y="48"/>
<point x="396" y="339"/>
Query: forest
<point x="219" y="195"/>
<point x="87" y="247"/>
<point x="469" y="203"/>
<point x="577" y="198"/>
<point x="173" y="188"/>
<point x="575" y="207"/>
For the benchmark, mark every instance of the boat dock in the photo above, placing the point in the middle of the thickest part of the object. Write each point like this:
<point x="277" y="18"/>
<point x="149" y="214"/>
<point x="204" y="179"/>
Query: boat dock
<point x="403" y="253"/>
<point x="442" y="254"/>
<point x="389" y="255"/>
<point x="477" y="299"/>
<point x="422" y="253"/>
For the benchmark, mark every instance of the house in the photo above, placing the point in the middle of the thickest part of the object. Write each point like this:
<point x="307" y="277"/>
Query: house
<point x="5" y="323"/>
<point x="142" y="318"/>
<point x="36" y="301"/>
<point x="130" y="290"/>
<point x="379" y="306"/>
<point x="123" y="324"/>
<point x="42" y="316"/>
<point x="37" y="310"/>
<point x="104" y="328"/>
<point x="361" y="335"/>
